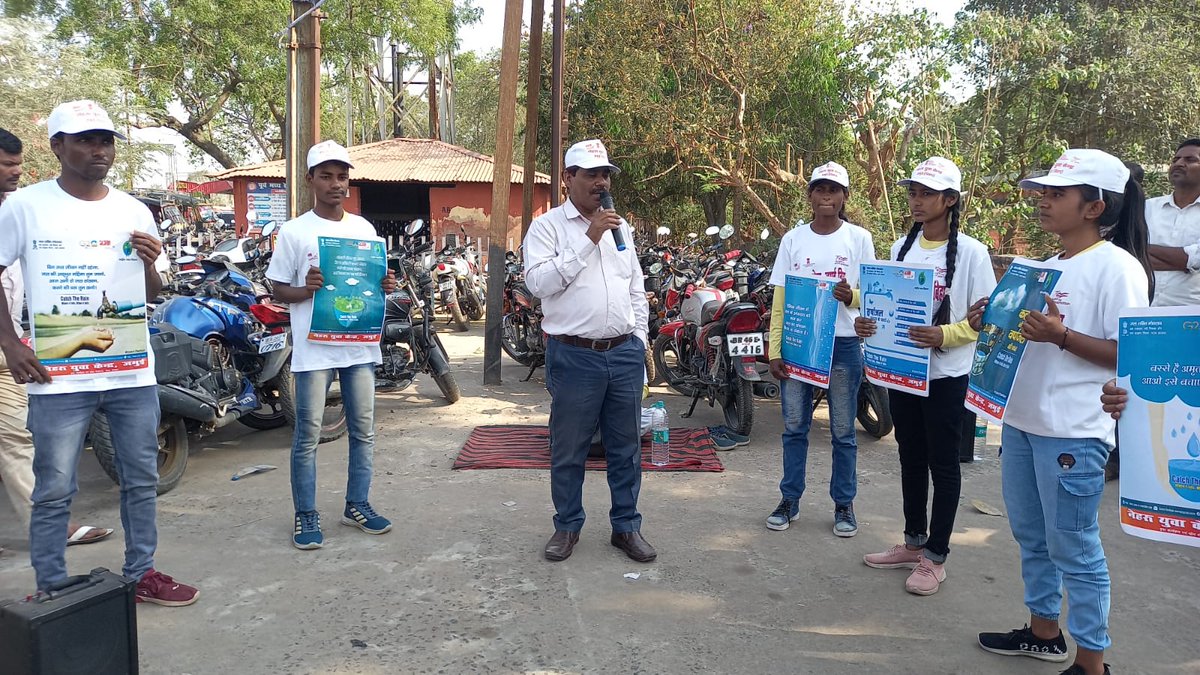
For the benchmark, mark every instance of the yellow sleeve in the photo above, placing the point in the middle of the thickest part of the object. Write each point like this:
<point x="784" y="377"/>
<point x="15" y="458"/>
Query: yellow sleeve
<point x="776" y="336"/>
<point x="958" y="334"/>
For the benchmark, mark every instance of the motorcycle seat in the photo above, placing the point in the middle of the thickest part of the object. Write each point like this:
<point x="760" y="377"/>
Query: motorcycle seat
<point x="709" y="310"/>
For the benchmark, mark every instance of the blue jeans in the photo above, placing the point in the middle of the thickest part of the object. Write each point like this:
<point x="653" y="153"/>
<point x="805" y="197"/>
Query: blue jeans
<point x="1052" y="489"/>
<point x="358" y="398"/>
<point x="59" y="423"/>
<point x="592" y="390"/>
<point x="797" y="400"/>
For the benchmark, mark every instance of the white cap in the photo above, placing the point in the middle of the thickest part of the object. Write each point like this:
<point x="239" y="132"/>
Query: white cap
<point x="76" y="117"/>
<point x="1083" y="167"/>
<point x="589" y="154"/>
<point x="936" y="173"/>
<point x="831" y="171"/>
<point x="328" y="151"/>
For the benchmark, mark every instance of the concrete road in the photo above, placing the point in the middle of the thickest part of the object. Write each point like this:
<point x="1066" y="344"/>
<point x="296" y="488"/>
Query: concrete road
<point x="459" y="586"/>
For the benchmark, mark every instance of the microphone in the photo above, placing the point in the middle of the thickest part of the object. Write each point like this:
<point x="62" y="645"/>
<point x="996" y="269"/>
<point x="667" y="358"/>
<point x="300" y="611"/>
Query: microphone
<point x="606" y="203"/>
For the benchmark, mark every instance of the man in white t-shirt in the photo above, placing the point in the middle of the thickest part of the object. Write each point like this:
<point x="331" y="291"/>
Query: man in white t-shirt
<point x="1174" y="224"/>
<point x="79" y="204"/>
<point x="295" y="270"/>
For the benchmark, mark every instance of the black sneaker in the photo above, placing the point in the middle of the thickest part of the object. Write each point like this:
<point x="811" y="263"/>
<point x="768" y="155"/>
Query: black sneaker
<point x="1077" y="669"/>
<point x="783" y="515"/>
<point x="1022" y="642"/>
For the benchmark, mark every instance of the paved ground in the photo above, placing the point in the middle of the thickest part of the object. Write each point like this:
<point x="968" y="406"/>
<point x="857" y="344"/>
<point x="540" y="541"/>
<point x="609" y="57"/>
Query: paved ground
<point x="459" y="586"/>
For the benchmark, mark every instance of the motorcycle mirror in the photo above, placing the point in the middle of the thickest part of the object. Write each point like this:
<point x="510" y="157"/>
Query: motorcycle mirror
<point x="663" y="230"/>
<point x="712" y="230"/>
<point x="725" y="232"/>
<point x="692" y="235"/>
<point x="185" y="259"/>
<point x="252" y="216"/>
<point x="765" y="234"/>
<point x="414" y="227"/>
<point x="190" y="250"/>
<point x="656" y="268"/>
<point x="269" y="228"/>
<point x="165" y="226"/>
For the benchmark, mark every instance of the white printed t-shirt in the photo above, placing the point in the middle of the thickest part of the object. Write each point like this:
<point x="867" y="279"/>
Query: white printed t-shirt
<point x="973" y="279"/>
<point x="834" y="256"/>
<point x="295" y="251"/>
<point x="45" y="210"/>
<point x="1056" y="393"/>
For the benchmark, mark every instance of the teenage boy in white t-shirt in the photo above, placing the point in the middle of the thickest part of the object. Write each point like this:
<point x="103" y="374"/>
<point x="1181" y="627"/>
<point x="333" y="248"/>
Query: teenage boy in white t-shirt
<point x="76" y="205"/>
<point x="294" y="269"/>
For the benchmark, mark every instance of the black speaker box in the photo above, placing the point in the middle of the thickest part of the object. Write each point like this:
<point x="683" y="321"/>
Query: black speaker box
<point x="87" y="624"/>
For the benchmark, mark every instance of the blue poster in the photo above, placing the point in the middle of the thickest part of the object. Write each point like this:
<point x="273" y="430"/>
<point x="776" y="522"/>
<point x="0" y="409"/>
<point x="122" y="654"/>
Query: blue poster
<point x="1159" y="367"/>
<point x="809" y="315"/>
<point x="1000" y="345"/>
<point x="896" y="296"/>
<point x="348" y="309"/>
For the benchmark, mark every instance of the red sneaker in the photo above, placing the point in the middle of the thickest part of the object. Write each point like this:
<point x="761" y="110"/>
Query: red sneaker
<point x="161" y="589"/>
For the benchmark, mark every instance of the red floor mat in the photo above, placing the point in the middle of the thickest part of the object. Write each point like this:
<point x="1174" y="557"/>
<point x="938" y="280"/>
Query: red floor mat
<point x="528" y="447"/>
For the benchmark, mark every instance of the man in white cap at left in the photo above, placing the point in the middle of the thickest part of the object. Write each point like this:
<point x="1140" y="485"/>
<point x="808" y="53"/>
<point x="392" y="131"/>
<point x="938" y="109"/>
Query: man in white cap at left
<point x="52" y="214"/>
<point x="295" y="269"/>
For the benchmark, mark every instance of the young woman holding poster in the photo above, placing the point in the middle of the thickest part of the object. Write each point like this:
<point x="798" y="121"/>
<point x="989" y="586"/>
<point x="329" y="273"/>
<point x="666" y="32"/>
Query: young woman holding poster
<point x="1056" y="435"/>
<point x="929" y="429"/>
<point x="831" y="248"/>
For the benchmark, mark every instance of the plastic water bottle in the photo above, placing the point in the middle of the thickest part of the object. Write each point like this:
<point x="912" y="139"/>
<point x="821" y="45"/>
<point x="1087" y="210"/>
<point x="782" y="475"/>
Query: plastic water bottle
<point x="981" y="427"/>
<point x="660" y="436"/>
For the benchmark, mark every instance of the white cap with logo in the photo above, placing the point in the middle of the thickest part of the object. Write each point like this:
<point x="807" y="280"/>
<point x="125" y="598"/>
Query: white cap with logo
<point x="76" y="117"/>
<point x="328" y="151"/>
<point x="831" y="171"/>
<point x="589" y="154"/>
<point x="1083" y="167"/>
<point x="936" y="173"/>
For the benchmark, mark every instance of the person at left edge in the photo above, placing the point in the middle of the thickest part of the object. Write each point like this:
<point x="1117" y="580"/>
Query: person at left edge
<point x="295" y="270"/>
<point x="595" y="309"/>
<point x="60" y="412"/>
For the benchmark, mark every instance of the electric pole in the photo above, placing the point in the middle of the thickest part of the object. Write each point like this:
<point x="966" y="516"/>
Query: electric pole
<point x="533" y="84"/>
<point x="304" y="100"/>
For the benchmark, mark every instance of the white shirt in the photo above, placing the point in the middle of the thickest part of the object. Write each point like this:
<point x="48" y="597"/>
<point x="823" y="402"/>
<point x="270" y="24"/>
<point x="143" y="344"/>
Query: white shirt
<point x="45" y="210"/>
<point x="1056" y="393"/>
<point x="588" y="290"/>
<point x="973" y="279"/>
<point x="836" y="255"/>
<point x="14" y="292"/>
<point x="295" y="251"/>
<point x="1171" y="225"/>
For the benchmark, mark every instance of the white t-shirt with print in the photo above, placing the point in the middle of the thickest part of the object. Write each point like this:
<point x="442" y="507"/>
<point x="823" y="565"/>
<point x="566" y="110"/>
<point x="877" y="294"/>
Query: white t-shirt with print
<point x="45" y="210"/>
<point x="836" y="255"/>
<point x="973" y="279"/>
<point x="295" y="251"/>
<point x="1056" y="393"/>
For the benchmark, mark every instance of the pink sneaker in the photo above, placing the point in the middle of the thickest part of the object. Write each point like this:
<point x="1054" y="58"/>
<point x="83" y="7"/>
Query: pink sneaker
<point x="894" y="558"/>
<point x="926" y="579"/>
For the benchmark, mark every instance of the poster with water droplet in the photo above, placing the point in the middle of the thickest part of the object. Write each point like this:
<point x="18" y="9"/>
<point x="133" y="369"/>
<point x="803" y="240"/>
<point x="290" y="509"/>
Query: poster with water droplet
<point x="348" y="309"/>
<point x="1158" y="364"/>
<point x="897" y="296"/>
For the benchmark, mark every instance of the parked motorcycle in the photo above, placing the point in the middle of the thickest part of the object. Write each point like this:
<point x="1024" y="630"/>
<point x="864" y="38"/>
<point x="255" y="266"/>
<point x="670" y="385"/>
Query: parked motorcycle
<point x="521" y="326"/>
<point x="410" y="343"/>
<point x="470" y="288"/>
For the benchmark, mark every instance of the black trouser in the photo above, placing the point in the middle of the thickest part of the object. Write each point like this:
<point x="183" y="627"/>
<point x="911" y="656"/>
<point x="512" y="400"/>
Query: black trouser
<point x="929" y="431"/>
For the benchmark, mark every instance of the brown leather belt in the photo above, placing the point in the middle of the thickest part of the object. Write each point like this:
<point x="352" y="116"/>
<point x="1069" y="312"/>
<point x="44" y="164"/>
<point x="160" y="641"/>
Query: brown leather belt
<point x="595" y="345"/>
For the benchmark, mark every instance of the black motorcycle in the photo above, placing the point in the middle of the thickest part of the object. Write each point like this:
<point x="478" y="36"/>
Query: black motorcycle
<point x="521" y="333"/>
<point x="410" y="343"/>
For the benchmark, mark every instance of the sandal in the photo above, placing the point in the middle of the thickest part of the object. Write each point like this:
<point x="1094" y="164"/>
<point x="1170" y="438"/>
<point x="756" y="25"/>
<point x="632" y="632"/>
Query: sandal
<point x="86" y="534"/>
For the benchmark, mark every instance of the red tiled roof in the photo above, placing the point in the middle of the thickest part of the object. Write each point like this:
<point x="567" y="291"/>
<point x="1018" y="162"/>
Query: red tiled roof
<point x="401" y="160"/>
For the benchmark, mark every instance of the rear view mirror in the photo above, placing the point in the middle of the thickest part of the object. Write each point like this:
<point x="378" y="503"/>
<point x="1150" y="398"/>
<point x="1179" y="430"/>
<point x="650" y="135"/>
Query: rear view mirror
<point x="252" y="216"/>
<point x="725" y="232"/>
<point x="656" y="268"/>
<point x="765" y="234"/>
<point x="165" y="226"/>
<point x="712" y="230"/>
<point x="185" y="259"/>
<point x="692" y="235"/>
<point x="663" y="231"/>
<point x="269" y="228"/>
<point x="190" y="250"/>
<point x="414" y="227"/>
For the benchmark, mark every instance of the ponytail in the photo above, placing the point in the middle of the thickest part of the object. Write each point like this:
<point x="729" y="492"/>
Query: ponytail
<point x="1124" y="223"/>
<point x="942" y="316"/>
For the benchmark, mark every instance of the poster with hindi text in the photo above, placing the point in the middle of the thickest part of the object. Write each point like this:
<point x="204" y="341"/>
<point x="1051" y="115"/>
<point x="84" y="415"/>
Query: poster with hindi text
<point x="349" y="308"/>
<point x="896" y="296"/>
<point x="809" y="317"/>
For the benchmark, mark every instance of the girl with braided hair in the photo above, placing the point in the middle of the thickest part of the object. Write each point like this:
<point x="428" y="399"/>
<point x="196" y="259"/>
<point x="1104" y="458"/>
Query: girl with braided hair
<point x="929" y="429"/>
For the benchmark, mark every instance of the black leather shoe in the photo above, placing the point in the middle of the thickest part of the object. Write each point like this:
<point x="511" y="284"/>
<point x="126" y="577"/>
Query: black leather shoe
<point x="561" y="544"/>
<point x="634" y="546"/>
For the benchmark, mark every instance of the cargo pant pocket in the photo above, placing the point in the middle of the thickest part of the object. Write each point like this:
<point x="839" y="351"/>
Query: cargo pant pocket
<point x="1079" y="497"/>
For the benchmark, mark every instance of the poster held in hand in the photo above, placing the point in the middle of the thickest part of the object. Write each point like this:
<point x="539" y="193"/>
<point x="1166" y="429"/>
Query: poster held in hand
<point x="897" y="296"/>
<point x="348" y="309"/>
<point x="1159" y="430"/>
<point x="1000" y="345"/>
<point x="809" y="317"/>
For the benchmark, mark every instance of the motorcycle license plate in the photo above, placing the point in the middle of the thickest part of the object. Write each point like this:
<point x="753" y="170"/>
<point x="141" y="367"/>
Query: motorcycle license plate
<point x="745" y="344"/>
<point x="446" y="285"/>
<point x="272" y="343"/>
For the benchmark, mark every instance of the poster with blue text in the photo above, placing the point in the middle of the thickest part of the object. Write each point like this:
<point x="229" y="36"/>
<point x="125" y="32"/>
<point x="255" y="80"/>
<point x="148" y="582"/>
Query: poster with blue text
<point x="897" y="296"/>
<point x="1159" y="366"/>
<point x="1000" y="345"/>
<point x="348" y="309"/>
<point x="809" y="314"/>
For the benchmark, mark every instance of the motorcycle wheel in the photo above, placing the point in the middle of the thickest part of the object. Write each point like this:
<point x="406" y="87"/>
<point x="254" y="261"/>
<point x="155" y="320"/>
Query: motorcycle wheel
<point x="874" y="411"/>
<point x="333" y="420"/>
<point x="471" y="305"/>
<point x="512" y="340"/>
<point x="460" y="321"/>
<point x="739" y="407"/>
<point x="651" y="369"/>
<point x="667" y="366"/>
<point x="445" y="382"/>
<point x="269" y="414"/>
<point x="172" y="450"/>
